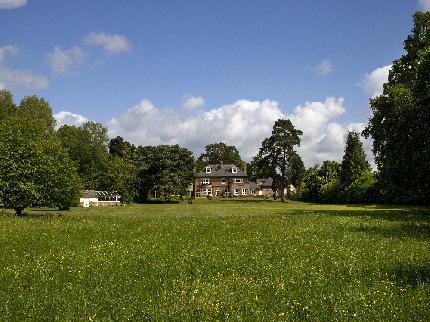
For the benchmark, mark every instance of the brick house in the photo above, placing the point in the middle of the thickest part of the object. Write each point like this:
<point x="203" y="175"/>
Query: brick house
<point x="222" y="180"/>
<point x="264" y="187"/>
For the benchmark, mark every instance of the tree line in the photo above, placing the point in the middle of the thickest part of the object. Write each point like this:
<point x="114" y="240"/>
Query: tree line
<point x="42" y="166"/>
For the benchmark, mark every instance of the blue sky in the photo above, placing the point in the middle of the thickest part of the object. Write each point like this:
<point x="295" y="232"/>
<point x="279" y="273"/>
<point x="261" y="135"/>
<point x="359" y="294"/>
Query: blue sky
<point x="176" y="71"/>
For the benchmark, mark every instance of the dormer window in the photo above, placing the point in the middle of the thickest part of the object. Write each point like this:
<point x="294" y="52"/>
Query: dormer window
<point x="208" y="170"/>
<point x="233" y="170"/>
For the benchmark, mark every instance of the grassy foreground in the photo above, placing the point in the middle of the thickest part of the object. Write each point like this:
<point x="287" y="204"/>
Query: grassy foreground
<point x="236" y="260"/>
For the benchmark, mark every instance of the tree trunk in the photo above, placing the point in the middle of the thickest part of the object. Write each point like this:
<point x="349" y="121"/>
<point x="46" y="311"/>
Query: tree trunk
<point x="281" y="192"/>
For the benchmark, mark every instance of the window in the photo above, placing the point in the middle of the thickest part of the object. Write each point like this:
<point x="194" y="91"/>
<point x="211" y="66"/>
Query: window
<point x="252" y="191"/>
<point x="206" y="192"/>
<point x="238" y="180"/>
<point x="233" y="170"/>
<point x="206" y="181"/>
<point x="222" y="181"/>
<point x="236" y="192"/>
<point x="244" y="191"/>
<point x="208" y="169"/>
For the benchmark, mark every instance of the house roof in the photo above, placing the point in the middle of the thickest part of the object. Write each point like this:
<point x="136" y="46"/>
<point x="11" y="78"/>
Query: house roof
<point x="265" y="183"/>
<point x="96" y="194"/>
<point x="253" y="185"/>
<point x="221" y="170"/>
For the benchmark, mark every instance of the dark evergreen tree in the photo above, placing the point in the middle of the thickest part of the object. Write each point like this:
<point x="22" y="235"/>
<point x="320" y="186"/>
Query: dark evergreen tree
<point x="354" y="161"/>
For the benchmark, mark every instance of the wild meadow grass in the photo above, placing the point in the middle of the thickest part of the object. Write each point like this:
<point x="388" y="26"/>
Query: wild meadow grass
<point x="219" y="259"/>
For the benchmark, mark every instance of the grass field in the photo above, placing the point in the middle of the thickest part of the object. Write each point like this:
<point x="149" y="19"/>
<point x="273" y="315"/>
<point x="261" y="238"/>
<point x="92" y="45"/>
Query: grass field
<point x="220" y="259"/>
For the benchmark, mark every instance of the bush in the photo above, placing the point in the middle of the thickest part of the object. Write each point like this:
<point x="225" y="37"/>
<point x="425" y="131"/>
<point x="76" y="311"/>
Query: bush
<point x="362" y="190"/>
<point x="331" y="192"/>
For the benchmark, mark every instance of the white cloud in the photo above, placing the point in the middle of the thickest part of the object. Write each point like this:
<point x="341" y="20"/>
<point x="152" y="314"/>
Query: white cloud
<point x="2" y="86"/>
<point x="62" y="62"/>
<point x="192" y="102"/>
<point x="68" y="118"/>
<point x="18" y="78"/>
<point x="7" y="50"/>
<point x="425" y="4"/>
<point x="112" y="43"/>
<point x="322" y="68"/>
<point x="373" y="82"/>
<point x="22" y="78"/>
<point x="11" y="4"/>
<point x="322" y="138"/>
<point x="244" y="124"/>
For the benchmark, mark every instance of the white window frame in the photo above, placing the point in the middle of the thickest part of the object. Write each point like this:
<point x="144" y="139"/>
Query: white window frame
<point x="208" y="170"/>
<point x="223" y="181"/>
<point x="206" y="181"/>
<point x="252" y="191"/>
<point x="236" y="192"/>
<point x="236" y="180"/>
<point x="206" y="192"/>
<point x="244" y="193"/>
<point x="233" y="170"/>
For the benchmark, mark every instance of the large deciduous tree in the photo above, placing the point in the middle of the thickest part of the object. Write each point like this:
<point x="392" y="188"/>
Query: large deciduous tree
<point x="35" y="170"/>
<point x="164" y="171"/>
<point x="400" y="125"/>
<point x="87" y="146"/>
<point x="217" y="153"/>
<point x="277" y="158"/>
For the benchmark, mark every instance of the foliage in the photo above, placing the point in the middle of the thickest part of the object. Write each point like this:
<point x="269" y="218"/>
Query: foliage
<point x="331" y="192"/>
<point x="400" y="123"/>
<point x="316" y="177"/>
<point x="121" y="176"/>
<point x="118" y="147"/>
<point x="278" y="160"/>
<point x="164" y="171"/>
<point x="34" y="169"/>
<point x="354" y="161"/>
<point x="36" y="108"/>
<point x="30" y="107"/>
<point x="217" y="260"/>
<point x="217" y="153"/>
<point x="87" y="147"/>
<point x="362" y="190"/>
<point x="7" y="105"/>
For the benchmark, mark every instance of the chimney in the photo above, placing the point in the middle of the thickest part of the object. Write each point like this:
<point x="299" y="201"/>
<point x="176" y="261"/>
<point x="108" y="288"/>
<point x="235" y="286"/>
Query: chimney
<point x="244" y="167"/>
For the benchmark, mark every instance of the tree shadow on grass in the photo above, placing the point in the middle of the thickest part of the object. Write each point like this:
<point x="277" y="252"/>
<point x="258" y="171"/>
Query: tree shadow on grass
<point x="33" y="213"/>
<point x="410" y="275"/>
<point x="404" y="230"/>
<point x="407" y="215"/>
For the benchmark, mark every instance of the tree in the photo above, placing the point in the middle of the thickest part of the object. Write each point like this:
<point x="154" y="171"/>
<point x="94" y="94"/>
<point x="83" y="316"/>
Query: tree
<point x="217" y="153"/>
<point x="400" y="124"/>
<point x="164" y="171"/>
<point x="7" y="105"/>
<point x="36" y="108"/>
<point x="34" y="168"/>
<point x="277" y="158"/>
<point x="329" y="170"/>
<point x="121" y="148"/>
<point x="316" y="177"/>
<point x="354" y="161"/>
<point x="87" y="146"/>
<point x="121" y="176"/>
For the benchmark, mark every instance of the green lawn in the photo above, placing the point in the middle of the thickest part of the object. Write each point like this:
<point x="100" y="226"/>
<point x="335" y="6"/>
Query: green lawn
<point x="219" y="259"/>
